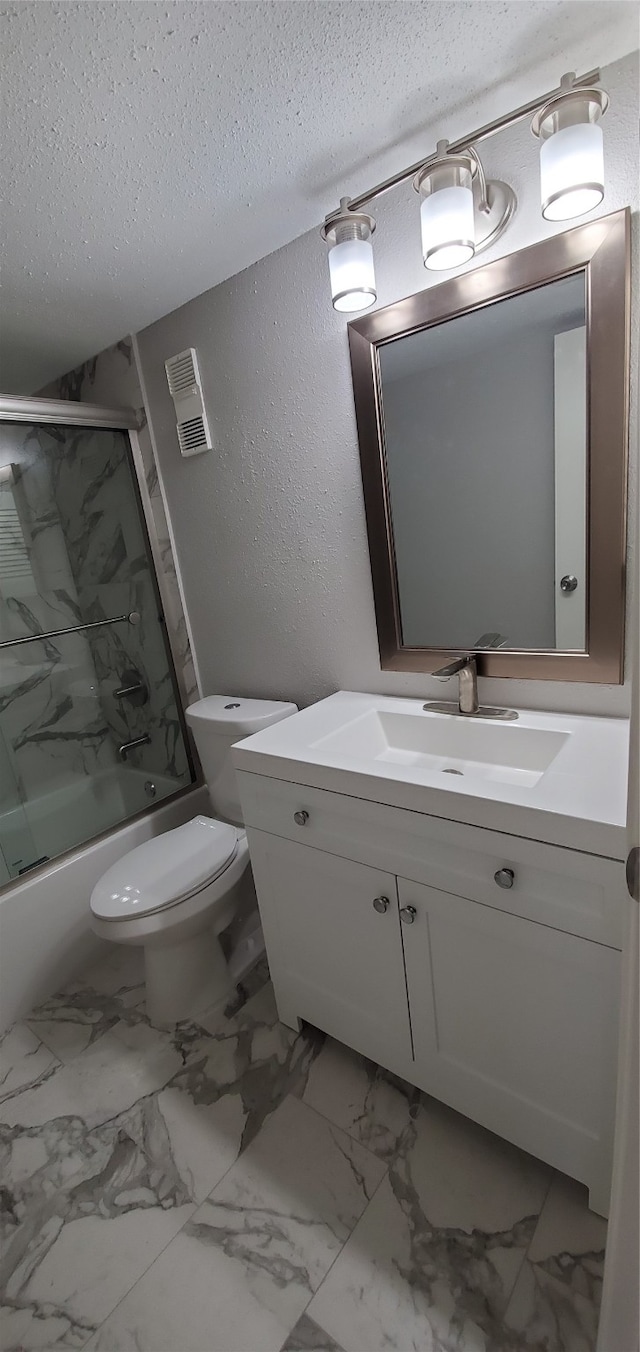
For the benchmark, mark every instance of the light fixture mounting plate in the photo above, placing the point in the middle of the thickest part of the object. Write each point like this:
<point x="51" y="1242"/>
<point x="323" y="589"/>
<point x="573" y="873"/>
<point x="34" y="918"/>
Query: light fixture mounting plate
<point x="502" y="203"/>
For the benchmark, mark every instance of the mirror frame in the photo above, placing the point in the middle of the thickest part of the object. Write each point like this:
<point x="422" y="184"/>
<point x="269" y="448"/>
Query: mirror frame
<point x="600" y="249"/>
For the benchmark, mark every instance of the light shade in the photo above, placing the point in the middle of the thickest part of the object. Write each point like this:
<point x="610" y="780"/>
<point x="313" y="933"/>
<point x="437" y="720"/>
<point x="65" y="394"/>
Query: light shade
<point x="572" y="171"/>
<point x="447" y="214"/>
<point x="571" y="153"/>
<point x="353" y="283"/>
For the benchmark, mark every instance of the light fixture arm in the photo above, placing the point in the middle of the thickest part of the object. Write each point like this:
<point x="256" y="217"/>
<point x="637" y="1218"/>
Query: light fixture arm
<point x="483" y="202"/>
<point x="468" y="142"/>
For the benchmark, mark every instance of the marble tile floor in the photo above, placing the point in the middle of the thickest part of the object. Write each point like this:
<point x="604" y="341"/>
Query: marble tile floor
<point x="232" y="1186"/>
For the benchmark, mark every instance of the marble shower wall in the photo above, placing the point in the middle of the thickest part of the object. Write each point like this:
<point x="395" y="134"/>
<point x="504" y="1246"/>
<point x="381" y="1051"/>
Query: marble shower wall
<point x="76" y="554"/>
<point x="111" y="378"/>
<point x="52" y="726"/>
<point x="94" y="495"/>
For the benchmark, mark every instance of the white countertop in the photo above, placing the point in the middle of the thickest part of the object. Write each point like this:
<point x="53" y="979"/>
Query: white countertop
<point x="580" y="801"/>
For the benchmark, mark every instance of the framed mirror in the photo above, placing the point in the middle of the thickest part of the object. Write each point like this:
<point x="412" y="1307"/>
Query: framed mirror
<point x="492" y="422"/>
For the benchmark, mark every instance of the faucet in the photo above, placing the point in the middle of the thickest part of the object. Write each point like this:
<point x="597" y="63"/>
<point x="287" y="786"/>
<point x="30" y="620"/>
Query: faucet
<point x="466" y="669"/>
<point x="467" y="672"/>
<point x="123" y="751"/>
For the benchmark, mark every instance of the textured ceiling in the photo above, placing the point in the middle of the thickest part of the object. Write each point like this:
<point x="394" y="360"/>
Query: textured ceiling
<point x="154" y="149"/>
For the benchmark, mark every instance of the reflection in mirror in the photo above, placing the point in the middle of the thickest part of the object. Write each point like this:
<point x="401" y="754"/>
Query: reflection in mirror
<point x="486" y="459"/>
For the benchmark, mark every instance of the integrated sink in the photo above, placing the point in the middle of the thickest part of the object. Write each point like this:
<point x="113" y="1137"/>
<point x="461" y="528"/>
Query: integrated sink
<point x="559" y="778"/>
<point x="448" y="745"/>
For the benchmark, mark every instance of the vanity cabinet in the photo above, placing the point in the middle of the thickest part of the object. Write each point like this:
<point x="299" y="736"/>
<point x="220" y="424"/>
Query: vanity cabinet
<point x="334" y="932"/>
<point x="480" y="967"/>
<point x="514" y="1024"/>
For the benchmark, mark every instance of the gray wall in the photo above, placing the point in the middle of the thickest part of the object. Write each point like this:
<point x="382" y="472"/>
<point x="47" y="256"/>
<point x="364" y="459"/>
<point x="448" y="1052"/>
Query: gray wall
<point x="269" y="526"/>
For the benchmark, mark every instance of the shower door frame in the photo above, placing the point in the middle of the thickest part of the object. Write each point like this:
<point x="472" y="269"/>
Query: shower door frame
<point x="71" y="413"/>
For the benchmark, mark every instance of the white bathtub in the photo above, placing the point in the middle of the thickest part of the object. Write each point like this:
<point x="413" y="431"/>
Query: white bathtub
<point x="45" y="935"/>
<point x="63" y="818"/>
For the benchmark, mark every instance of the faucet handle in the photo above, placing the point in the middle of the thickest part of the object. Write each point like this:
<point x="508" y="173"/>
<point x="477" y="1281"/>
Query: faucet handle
<point x="443" y="673"/>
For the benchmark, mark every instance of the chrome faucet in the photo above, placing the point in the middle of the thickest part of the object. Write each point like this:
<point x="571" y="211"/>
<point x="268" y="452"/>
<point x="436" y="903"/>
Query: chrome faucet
<point x="466" y="669"/>
<point x="123" y="751"/>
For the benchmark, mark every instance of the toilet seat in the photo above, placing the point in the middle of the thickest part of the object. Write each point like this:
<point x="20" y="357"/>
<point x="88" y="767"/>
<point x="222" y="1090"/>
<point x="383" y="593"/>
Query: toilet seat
<point x="166" y="870"/>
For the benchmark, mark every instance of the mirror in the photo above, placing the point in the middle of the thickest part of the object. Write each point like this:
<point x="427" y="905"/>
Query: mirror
<point x="485" y="443"/>
<point x="492" y="424"/>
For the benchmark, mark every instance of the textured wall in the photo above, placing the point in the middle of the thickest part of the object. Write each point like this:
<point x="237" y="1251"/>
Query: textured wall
<point x="171" y="143"/>
<point x="269" y="526"/>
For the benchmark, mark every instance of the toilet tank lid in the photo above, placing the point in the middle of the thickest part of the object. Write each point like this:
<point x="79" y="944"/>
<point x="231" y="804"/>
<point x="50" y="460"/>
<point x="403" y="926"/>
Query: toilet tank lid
<point x="237" y="715"/>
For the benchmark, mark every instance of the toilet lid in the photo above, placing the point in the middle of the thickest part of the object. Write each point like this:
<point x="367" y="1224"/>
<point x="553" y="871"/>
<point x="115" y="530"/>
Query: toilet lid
<point x="165" y="870"/>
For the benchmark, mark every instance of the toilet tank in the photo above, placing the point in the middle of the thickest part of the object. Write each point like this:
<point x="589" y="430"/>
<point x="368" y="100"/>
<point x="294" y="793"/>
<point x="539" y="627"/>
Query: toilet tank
<point x="217" y="722"/>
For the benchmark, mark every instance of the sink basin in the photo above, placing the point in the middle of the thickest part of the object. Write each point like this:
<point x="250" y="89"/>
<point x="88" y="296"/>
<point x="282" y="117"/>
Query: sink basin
<point x="448" y="745"/>
<point x="561" y="778"/>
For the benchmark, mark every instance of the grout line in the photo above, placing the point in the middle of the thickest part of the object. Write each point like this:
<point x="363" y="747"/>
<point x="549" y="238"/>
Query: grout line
<point x="196" y="1207"/>
<point x="554" y="1175"/>
<point x="123" y="1297"/>
<point x="342" y="1248"/>
<point x="525" y="1256"/>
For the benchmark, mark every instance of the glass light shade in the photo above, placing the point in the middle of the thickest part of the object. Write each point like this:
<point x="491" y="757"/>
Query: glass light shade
<point x="572" y="171"/>
<point x="353" y="283"/>
<point x="448" y="227"/>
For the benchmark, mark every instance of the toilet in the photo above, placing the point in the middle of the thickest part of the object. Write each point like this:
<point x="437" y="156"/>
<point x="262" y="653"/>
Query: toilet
<point x="176" y="893"/>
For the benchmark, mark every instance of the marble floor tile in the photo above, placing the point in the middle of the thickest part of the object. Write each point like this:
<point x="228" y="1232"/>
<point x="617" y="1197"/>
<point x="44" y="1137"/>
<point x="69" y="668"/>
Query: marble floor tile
<point x="233" y="1186"/>
<point x="436" y="1254"/>
<point x="556" y="1300"/>
<point x="307" y="1336"/>
<point x="373" y="1106"/>
<point x="252" y="1056"/>
<point x="122" y="1067"/>
<point x="24" y="1061"/>
<point x="91" y="1191"/>
<point x="111" y="990"/>
<point x="242" y="1270"/>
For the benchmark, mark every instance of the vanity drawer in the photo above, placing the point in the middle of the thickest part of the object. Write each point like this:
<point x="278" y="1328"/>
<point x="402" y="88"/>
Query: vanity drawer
<point x="579" y="893"/>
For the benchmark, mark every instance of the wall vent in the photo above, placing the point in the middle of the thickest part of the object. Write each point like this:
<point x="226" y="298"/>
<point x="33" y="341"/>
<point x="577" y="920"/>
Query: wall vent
<point x="185" y="388"/>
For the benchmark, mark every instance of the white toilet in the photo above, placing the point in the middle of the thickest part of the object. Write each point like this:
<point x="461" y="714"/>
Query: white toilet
<point x="176" y="893"/>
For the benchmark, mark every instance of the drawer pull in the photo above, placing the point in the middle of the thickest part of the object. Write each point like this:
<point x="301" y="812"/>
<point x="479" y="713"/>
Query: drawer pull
<point x="301" y="818"/>
<point x="381" y="904"/>
<point x="408" y="915"/>
<point x="505" y="877"/>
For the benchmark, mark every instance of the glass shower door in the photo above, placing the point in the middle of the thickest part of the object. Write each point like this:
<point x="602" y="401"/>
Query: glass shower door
<point x="91" y="728"/>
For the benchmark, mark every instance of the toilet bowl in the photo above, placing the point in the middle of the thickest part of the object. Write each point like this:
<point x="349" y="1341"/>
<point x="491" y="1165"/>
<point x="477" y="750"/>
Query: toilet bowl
<point x="175" y="894"/>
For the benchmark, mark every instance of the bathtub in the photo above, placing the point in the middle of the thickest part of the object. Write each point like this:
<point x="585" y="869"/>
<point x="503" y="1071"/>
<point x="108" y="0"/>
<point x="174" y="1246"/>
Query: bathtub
<point x="45" y="936"/>
<point x="63" y="818"/>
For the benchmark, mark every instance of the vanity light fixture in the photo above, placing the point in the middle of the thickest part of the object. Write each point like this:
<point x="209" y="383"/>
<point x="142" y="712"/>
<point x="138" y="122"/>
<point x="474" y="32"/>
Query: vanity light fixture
<point x="446" y="210"/>
<point x="353" y="282"/>
<point x="463" y="212"/>
<point x="571" y="151"/>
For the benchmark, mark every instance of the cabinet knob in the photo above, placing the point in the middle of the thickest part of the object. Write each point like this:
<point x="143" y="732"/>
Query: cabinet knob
<point x="381" y="904"/>
<point x="301" y="818"/>
<point x="505" y="877"/>
<point x="408" y="915"/>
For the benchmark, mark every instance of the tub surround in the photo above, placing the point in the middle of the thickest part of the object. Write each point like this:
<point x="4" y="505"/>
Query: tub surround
<point x="112" y="378"/>
<point x="86" y="561"/>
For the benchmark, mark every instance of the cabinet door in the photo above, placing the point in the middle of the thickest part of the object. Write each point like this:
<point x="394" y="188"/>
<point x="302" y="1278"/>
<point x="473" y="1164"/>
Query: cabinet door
<point x="335" y="959"/>
<point x="514" y="1024"/>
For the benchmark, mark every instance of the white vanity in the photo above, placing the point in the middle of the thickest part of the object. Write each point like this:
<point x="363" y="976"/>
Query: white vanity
<point x="446" y="896"/>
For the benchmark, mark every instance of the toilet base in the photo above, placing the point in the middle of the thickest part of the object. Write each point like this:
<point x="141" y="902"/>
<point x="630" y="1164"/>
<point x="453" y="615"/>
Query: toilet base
<point x="184" y="978"/>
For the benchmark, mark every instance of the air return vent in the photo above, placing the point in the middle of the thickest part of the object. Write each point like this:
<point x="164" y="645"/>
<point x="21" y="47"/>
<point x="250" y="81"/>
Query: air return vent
<point x="185" y="388"/>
